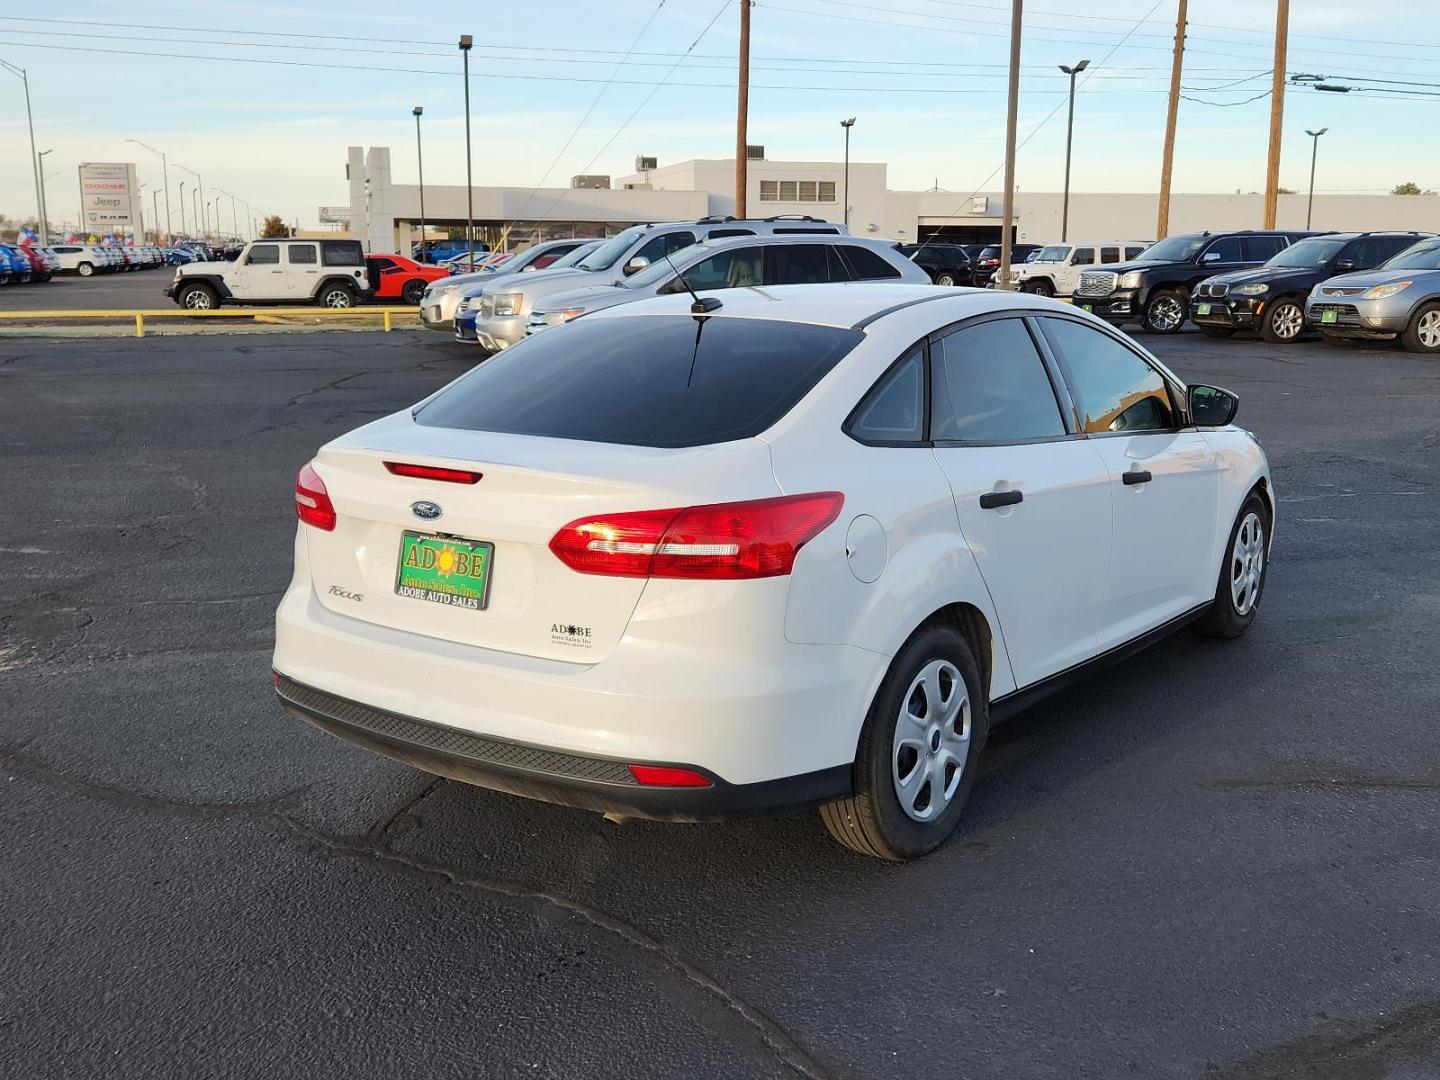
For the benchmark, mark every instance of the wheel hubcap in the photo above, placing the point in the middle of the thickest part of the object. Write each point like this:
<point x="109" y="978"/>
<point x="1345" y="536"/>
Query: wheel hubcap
<point x="197" y="301"/>
<point x="337" y="300"/>
<point x="1247" y="564"/>
<point x="932" y="741"/>
<point x="1288" y="321"/>
<point x="1166" y="313"/>
<point x="1429" y="330"/>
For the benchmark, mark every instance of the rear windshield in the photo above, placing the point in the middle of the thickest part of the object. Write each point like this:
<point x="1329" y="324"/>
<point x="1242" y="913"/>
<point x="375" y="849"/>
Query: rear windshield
<point x="663" y="381"/>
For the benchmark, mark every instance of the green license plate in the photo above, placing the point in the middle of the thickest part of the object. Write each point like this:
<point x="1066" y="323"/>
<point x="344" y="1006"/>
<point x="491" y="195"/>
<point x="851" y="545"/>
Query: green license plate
<point x="445" y="570"/>
<point x="1086" y="307"/>
<point x="1329" y="316"/>
<point x="1202" y="309"/>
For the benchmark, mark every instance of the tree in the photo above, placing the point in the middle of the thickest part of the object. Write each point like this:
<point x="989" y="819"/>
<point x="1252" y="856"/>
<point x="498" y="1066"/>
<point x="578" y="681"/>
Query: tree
<point x="1286" y="191"/>
<point x="274" y="228"/>
<point x="1409" y="187"/>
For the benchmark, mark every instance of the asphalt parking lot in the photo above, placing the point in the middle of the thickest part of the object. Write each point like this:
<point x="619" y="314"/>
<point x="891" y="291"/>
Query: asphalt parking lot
<point x="69" y="292"/>
<point x="1218" y="860"/>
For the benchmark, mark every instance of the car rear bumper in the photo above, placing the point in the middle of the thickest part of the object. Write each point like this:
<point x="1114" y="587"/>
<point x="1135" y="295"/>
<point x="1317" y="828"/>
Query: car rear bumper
<point x="772" y="726"/>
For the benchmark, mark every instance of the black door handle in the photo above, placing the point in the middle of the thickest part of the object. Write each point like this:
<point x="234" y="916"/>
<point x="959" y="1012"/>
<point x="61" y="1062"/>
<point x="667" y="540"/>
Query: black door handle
<point x="993" y="500"/>
<point x="1136" y="476"/>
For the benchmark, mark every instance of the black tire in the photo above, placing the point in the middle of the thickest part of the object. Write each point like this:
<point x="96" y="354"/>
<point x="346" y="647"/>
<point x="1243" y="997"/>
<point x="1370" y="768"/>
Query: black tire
<point x="85" y="269"/>
<point x="873" y="821"/>
<point x="1217" y="331"/>
<point x="413" y="290"/>
<point x="1284" y="321"/>
<point x="1228" y="617"/>
<point x="946" y="277"/>
<point x="336" y="295"/>
<point x="197" y="297"/>
<point x="1166" y="312"/>
<point x="1423" y="333"/>
<point x="1038" y="288"/>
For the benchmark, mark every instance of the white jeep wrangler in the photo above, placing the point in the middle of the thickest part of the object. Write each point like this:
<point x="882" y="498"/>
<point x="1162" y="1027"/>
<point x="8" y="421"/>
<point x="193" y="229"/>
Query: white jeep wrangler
<point x="331" y="273"/>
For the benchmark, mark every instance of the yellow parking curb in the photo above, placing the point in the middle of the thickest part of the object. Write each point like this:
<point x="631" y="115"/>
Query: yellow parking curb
<point x="386" y="314"/>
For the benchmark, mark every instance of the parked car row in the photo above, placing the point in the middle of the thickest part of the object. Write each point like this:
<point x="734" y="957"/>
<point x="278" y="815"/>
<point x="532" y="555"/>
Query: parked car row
<point x="21" y="264"/>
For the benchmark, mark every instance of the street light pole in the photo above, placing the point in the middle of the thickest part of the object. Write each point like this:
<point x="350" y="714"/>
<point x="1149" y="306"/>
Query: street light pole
<point x="1069" y="135"/>
<point x="465" y="42"/>
<point x="200" y="220"/>
<point x="155" y="205"/>
<point x="419" y="110"/>
<point x="20" y="74"/>
<point x="182" y="206"/>
<point x="44" y="210"/>
<point x="1314" y="152"/>
<point x="847" y="125"/>
<point x="165" y="172"/>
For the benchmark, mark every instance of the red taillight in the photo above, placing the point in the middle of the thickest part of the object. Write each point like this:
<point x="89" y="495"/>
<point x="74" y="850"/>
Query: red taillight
<point x="312" y="501"/>
<point x="722" y="541"/>
<point x="665" y="776"/>
<point x="433" y="472"/>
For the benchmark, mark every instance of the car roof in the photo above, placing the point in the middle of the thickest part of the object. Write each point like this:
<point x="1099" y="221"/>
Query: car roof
<point x="842" y="304"/>
<point x="719" y="243"/>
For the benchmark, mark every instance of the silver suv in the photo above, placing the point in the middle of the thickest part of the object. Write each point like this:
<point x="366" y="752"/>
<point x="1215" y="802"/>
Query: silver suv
<point x="1399" y="298"/>
<point x="504" y="306"/>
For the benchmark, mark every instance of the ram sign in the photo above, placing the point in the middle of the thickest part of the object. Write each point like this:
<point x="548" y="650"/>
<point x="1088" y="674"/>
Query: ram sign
<point x="109" y="197"/>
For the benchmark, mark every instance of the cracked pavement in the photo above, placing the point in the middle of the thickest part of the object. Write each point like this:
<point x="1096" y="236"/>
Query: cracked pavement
<point x="1216" y="860"/>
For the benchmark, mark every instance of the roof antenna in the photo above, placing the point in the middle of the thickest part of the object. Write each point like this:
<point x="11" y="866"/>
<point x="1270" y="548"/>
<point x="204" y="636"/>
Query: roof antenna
<point x="700" y="308"/>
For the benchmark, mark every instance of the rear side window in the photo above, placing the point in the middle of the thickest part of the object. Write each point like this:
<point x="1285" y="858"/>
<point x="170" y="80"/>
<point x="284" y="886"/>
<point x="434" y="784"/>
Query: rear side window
<point x="341" y="255"/>
<point x="301" y="253"/>
<point x="894" y="411"/>
<point x="1109" y="255"/>
<point x="797" y="264"/>
<point x="868" y="266"/>
<point x="1134" y="250"/>
<point x="989" y="385"/>
<point x="646" y="380"/>
<point x="1263" y="248"/>
<point x="1115" y="389"/>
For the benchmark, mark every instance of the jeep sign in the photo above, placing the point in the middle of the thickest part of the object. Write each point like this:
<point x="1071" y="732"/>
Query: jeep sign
<point x="108" y="196"/>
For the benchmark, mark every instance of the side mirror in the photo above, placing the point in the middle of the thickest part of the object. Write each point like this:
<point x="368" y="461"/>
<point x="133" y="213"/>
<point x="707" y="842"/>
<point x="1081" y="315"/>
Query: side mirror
<point x="635" y="265"/>
<point x="1212" y="407"/>
<point x="1344" y="266"/>
<point x="1210" y="256"/>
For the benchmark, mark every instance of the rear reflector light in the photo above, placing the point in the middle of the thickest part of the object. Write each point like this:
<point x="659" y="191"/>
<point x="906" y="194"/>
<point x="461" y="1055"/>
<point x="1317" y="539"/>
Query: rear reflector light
<point x="725" y="541"/>
<point x="312" y="501"/>
<point x="433" y="472"/>
<point x="664" y="776"/>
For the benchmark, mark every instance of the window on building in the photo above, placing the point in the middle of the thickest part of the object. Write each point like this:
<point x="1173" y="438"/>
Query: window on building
<point x="805" y="191"/>
<point x="808" y="192"/>
<point x="827" y="191"/>
<point x="789" y="191"/>
<point x="769" y="191"/>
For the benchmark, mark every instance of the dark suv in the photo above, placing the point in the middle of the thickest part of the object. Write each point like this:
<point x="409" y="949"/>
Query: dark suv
<point x="987" y="265"/>
<point x="947" y="264"/>
<point x="1154" y="288"/>
<point x="1271" y="298"/>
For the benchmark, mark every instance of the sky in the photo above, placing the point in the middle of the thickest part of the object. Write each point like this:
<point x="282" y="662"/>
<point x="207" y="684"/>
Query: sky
<point x="262" y="98"/>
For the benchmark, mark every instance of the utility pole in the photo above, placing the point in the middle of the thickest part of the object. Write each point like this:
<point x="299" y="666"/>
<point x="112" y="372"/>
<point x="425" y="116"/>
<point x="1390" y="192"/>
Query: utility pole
<point x="419" y="110"/>
<point x="742" y="113"/>
<point x="1162" y="227"/>
<point x="465" y="42"/>
<point x="1069" y="135"/>
<point x="1314" y="153"/>
<point x="847" y="125"/>
<point x="1010" y="125"/>
<point x="1277" y="110"/>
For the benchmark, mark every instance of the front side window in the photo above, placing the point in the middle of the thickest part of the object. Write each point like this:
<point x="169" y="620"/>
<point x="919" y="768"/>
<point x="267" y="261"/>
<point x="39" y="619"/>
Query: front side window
<point x="644" y="380"/>
<point x="1114" y="388"/>
<point x="989" y="385"/>
<point x="796" y="264"/>
<point x="265" y="255"/>
<point x="894" y="411"/>
<point x="305" y="254"/>
<point x="1084" y="257"/>
<point x="1226" y="249"/>
<point x="664" y="244"/>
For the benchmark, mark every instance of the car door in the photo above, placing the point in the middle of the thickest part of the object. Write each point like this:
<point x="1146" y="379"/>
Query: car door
<point x="302" y="271"/>
<point x="1031" y="494"/>
<point x="1164" y="480"/>
<point x="259" y="276"/>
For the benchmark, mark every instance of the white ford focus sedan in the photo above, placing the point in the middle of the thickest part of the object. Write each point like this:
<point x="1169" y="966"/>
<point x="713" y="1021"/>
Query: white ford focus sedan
<point x="682" y="561"/>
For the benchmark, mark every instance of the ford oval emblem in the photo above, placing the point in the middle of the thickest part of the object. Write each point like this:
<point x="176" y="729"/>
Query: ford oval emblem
<point x="425" y="511"/>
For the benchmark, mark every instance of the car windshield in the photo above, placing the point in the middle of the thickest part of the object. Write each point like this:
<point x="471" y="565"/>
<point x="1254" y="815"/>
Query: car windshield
<point x="1053" y="253"/>
<point x="657" y="381"/>
<point x="1424" y="256"/>
<point x="608" y="253"/>
<point x="1172" y="249"/>
<point x="1309" y="254"/>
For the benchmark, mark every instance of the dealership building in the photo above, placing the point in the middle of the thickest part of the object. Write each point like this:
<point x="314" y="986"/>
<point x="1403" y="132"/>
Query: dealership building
<point x="385" y="215"/>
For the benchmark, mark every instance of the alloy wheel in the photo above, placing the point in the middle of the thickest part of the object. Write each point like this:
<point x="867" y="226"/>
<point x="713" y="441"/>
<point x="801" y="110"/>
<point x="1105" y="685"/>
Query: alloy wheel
<point x="1428" y="330"/>
<point x="1247" y="564"/>
<point x="197" y="300"/>
<point x="337" y="298"/>
<point x="1288" y="321"/>
<point x="1166" y="313"/>
<point x="932" y="741"/>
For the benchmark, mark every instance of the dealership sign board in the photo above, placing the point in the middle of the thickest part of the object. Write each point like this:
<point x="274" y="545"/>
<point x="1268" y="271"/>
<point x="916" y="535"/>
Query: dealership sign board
<point x="109" y="196"/>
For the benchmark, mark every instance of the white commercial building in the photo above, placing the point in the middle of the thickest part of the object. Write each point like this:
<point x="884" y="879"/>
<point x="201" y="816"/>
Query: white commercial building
<point x="384" y="213"/>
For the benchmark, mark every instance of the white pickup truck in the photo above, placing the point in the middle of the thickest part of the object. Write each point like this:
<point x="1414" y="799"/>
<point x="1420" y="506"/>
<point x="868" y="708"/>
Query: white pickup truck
<point x="331" y="273"/>
<point x="1055" y="270"/>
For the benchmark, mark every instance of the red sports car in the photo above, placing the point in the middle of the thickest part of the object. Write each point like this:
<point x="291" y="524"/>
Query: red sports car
<point x="394" y="277"/>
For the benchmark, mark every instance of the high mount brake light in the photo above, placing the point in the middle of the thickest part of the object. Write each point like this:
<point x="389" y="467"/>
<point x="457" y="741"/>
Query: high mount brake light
<point x="722" y="541"/>
<point x="433" y="472"/>
<point x="312" y="501"/>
